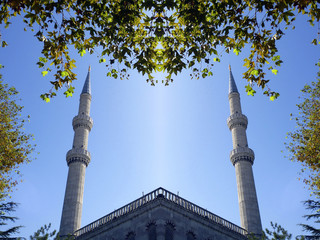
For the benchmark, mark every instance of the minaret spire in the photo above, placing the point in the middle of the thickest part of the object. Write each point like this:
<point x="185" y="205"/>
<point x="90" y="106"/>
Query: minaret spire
<point x="78" y="159"/>
<point x="232" y="83"/>
<point x="87" y="84"/>
<point x="242" y="158"/>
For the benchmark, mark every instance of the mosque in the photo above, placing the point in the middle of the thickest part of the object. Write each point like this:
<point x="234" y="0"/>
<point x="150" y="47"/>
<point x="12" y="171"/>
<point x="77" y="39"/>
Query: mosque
<point x="160" y="214"/>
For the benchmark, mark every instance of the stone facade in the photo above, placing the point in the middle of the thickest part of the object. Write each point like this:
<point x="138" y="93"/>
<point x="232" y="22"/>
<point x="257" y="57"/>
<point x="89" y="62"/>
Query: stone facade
<point x="161" y="215"/>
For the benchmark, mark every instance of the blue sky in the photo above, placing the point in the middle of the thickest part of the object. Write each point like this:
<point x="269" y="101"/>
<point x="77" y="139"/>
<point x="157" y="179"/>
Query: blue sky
<point x="145" y="137"/>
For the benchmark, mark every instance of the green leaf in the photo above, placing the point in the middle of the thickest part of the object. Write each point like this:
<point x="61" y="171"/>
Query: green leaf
<point x="314" y="42"/>
<point x="278" y="63"/>
<point x="236" y="51"/>
<point x="191" y="64"/>
<point x="4" y="44"/>
<point x="45" y="97"/>
<point x="254" y="72"/>
<point x="127" y="64"/>
<point x="64" y="73"/>
<point x="43" y="59"/>
<point x="69" y="92"/>
<point x="44" y="73"/>
<point x="250" y="91"/>
<point x="102" y="60"/>
<point x="274" y="96"/>
<point x="82" y="52"/>
<point x="275" y="58"/>
<point x="274" y="71"/>
<point x="216" y="59"/>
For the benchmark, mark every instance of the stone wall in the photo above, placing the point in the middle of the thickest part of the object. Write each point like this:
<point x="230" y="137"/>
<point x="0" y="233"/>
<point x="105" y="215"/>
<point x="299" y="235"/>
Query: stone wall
<point x="161" y="220"/>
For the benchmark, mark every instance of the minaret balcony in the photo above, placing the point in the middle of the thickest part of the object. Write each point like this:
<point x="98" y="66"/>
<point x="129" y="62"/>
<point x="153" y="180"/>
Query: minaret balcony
<point x="78" y="155"/>
<point x="82" y="121"/>
<point x="241" y="154"/>
<point x="237" y="119"/>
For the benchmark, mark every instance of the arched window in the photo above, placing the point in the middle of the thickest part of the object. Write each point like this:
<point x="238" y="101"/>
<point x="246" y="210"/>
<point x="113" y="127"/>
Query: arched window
<point x="152" y="231"/>
<point x="131" y="236"/>
<point x="191" y="235"/>
<point x="169" y="231"/>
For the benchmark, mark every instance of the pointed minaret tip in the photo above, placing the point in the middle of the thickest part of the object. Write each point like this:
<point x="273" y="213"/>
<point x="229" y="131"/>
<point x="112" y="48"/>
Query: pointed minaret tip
<point x="87" y="84"/>
<point x="232" y="83"/>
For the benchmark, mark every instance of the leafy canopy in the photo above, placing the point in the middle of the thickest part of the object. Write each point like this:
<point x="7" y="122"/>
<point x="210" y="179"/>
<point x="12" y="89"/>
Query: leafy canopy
<point x="6" y="208"/>
<point x="304" y="143"/>
<point x="15" y="144"/>
<point x="45" y="233"/>
<point x="314" y="207"/>
<point x="276" y="232"/>
<point x="158" y="35"/>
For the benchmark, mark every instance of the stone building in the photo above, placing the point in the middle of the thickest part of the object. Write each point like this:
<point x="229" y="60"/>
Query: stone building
<point x="160" y="214"/>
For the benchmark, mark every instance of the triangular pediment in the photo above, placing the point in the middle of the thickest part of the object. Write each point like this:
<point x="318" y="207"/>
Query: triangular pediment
<point x="161" y="207"/>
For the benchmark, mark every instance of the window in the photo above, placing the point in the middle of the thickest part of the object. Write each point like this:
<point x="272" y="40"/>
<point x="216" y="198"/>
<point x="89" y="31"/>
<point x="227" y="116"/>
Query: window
<point x="191" y="236"/>
<point x="152" y="231"/>
<point x="131" y="236"/>
<point x="169" y="231"/>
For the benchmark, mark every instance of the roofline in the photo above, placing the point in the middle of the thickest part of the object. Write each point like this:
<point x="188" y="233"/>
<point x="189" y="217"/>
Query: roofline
<point x="153" y="196"/>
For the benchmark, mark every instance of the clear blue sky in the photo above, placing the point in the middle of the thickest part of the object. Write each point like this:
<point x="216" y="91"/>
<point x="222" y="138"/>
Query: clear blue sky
<point x="145" y="137"/>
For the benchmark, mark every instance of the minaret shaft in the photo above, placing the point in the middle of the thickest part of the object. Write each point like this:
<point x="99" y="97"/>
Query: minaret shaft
<point x="247" y="197"/>
<point x="239" y="138"/>
<point x="78" y="159"/>
<point x="85" y="103"/>
<point x="73" y="200"/>
<point x="235" y="104"/>
<point x="80" y="139"/>
<point x="242" y="158"/>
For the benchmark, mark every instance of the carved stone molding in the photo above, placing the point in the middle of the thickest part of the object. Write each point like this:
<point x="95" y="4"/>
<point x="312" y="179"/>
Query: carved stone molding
<point x="78" y="155"/>
<point x="237" y="119"/>
<point x="241" y="154"/>
<point x="82" y="121"/>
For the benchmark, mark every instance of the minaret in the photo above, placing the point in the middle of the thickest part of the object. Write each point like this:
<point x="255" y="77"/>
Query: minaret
<point x="78" y="159"/>
<point x="242" y="158"/>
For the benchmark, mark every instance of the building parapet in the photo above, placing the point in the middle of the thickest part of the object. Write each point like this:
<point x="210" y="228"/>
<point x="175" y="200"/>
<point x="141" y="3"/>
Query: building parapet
<point x="241" y="154"/>
<point x="82" y="120"/>
<point x="152" y="196"/>
<point x="237" y="119"/>
<point x="78" y="155"/>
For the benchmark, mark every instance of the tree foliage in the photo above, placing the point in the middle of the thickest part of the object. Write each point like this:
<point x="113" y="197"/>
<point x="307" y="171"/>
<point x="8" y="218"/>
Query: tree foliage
<point x="44" y="233"/>
<point x="304" y="143"/>
<point x="158" y="35"/>
<point x="276" y="232"/>
<point x="15" y="144"/>
<point x="5" y="211"/>
<point x="314" y="207"/>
